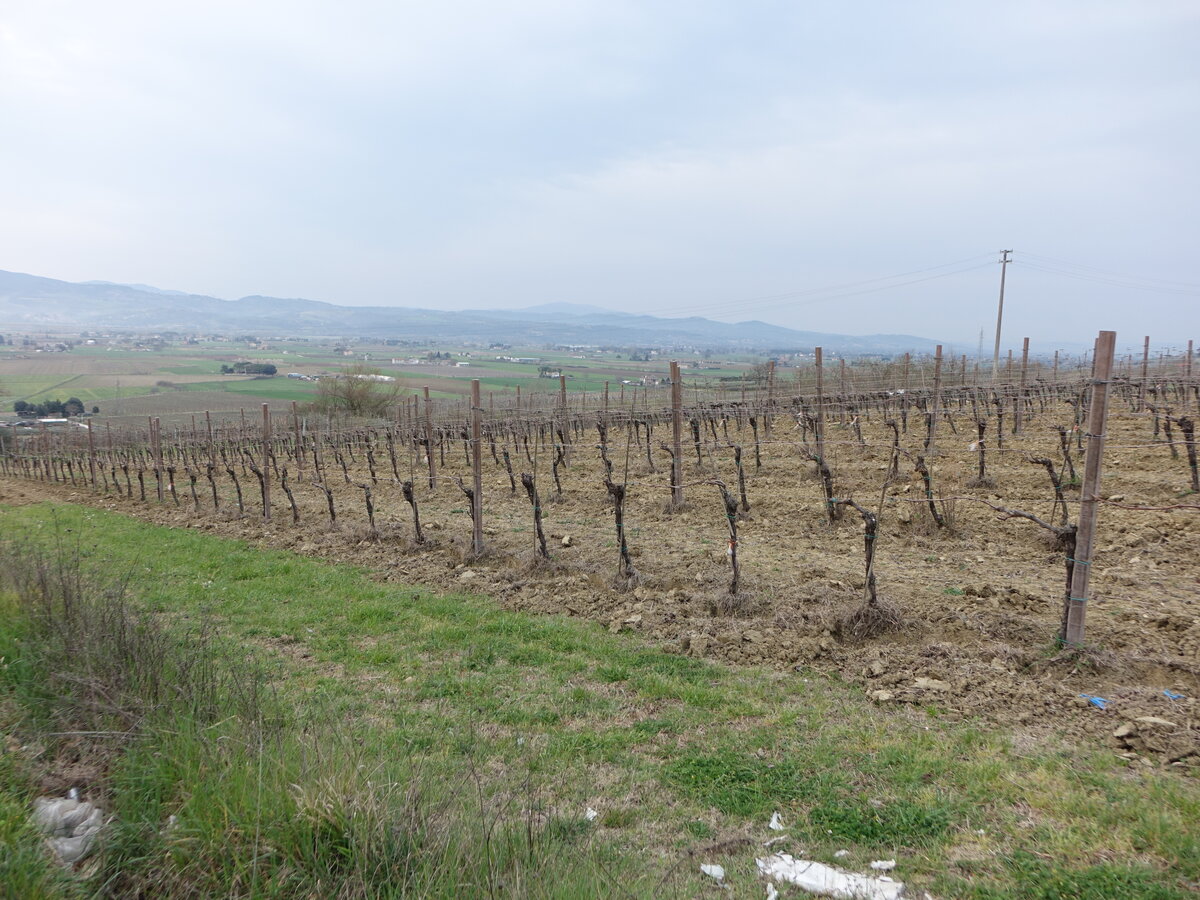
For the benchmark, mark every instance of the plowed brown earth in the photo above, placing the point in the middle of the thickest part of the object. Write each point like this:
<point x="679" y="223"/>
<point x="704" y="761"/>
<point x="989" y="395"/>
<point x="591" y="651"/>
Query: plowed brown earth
<point x="979" y="603"/>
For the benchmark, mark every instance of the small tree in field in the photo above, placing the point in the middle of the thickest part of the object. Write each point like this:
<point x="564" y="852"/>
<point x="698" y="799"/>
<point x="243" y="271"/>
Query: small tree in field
<point x="357" y="391"/>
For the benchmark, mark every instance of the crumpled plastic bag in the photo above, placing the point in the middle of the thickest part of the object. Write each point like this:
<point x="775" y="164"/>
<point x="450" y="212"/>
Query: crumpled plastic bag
<point x="71" y="825"/>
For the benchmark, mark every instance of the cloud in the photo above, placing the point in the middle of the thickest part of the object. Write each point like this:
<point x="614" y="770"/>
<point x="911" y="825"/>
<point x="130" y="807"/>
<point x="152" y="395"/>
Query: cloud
<point x="671" y="156"/>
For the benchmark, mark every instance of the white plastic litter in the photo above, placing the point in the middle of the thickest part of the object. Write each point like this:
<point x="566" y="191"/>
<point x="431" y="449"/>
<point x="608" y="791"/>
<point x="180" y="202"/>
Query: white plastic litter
<point x="842" y="853"/>
<point x="829" y="881"/>
<point x="591" y="814"/>
<point x="71" y="825"/>
<point x="775" y="824"/>
<point x="883" y="865"/>
<point x="713" y="871"/>
<point x="772" y="894"/>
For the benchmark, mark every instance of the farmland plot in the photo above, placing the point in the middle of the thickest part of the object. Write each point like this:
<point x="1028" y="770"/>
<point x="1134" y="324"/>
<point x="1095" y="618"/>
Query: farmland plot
<point x="973" y="605"/>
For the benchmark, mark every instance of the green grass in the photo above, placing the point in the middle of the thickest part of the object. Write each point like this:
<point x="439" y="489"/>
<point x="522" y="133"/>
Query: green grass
<point x="28" y="387"/>
<point x="674" y="753"/>
<point x="278" y="387"/>
<point x="208" y="367"/>
<point x="740" y="785"/>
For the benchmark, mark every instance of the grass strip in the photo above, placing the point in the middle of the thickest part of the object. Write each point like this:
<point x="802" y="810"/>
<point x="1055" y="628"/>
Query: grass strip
<point x="535" y="719"/>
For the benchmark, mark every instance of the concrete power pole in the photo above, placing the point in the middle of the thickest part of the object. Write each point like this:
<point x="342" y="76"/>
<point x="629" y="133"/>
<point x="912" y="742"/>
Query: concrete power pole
<point x="1004" y="261"/>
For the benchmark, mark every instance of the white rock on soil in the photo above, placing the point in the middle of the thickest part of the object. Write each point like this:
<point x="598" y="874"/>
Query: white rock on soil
<point x="931" y="684"/>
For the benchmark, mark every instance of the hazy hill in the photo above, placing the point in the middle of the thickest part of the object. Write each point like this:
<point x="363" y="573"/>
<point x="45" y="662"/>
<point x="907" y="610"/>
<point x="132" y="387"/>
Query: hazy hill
<point x="32" y="303"/>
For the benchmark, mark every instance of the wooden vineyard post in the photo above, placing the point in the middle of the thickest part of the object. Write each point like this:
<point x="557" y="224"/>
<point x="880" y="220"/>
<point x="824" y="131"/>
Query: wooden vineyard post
<point x="299" y="446"/>
<point x="156" y="446"/>
<point x="1187" y="378"/>
<point x="91" y="453"/>
<point x="1019" y="412"/>
<point x="564" y="412"/>
<point x="1090" y="492"/>
<point x="266" y="462"/>
<point x="770" y="398"/>
<point x="1145" y="372"/>
<point x="935" y="404"/>
<point x="818" y="365"/>
<point x="676" y="436"/>
<point x="477" y="468"/>
<point x="842" y="390"/>
<point x="831" y="508"/>
<point x="429" y="439"/>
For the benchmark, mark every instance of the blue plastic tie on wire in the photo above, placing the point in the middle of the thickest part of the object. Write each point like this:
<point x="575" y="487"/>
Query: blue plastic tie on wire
<point x="1171" y="695"/>
<point x="1098" y="702"/>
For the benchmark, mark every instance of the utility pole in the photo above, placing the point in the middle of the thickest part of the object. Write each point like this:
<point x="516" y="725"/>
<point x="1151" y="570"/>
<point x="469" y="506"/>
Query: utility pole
<point x="1004" y="261"/>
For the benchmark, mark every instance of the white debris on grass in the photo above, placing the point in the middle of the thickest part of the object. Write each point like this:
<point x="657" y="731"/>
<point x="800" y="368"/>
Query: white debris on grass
<point x="775" y="824"/>
<point x="71" y="825"/>
<point x="829" y="881"/>
<point x="841" y="853"/>
<point x="772" y="894"/>
<point x="713" y="871"/>
<point x="591" y="814"/>
<point x="883" y="865"/>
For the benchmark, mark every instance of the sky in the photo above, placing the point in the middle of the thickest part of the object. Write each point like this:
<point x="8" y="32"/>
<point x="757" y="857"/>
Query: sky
<point x="842" y="166"/>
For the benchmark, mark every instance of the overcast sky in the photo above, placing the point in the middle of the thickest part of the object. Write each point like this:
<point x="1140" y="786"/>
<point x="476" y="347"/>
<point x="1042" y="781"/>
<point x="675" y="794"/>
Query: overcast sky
<point x="734" y="160"/>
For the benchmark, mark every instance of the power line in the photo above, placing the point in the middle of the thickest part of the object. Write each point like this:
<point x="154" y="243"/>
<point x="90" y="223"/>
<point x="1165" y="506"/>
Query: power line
<point x="832" y="292"/>
<point x="1052" y="261"/>
<point x="1179" y="289"/>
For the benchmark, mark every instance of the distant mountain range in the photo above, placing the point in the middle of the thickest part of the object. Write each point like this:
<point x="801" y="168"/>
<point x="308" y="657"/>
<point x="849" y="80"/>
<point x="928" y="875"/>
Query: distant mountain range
<point x="29" y="303"/>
